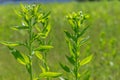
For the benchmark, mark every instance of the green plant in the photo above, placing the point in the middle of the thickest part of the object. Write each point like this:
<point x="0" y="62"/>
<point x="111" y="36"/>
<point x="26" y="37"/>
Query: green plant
<point x="75" y="40"/>
<point x="35" y="23"/>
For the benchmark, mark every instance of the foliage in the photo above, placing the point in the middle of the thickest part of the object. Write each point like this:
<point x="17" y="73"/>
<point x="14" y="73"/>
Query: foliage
<point x="75" y="40"/>
<point x="104" y="17"/>
<point x="32" y="16"/>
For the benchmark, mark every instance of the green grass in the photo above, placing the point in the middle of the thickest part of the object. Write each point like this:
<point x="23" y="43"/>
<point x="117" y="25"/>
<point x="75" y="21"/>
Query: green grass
<point x="104" y="17"/>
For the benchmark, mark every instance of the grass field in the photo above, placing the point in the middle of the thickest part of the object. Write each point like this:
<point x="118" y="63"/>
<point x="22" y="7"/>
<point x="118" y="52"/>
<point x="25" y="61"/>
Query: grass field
<point x="103" y="43"/>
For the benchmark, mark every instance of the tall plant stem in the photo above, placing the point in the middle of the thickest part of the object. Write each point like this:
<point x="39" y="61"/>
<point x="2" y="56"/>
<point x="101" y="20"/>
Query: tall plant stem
<point x="30" y="52"/>
<point x="76" y="68"/>
<point x="76" y="53"/>
<point x="76" y="63"/>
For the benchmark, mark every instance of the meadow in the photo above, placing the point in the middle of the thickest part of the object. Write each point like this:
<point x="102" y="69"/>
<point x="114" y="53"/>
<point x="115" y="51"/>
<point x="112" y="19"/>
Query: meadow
<point x="103" y="43"/>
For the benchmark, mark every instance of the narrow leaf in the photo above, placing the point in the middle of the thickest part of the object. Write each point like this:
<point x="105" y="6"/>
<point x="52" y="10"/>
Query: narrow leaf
<point x="86" y="60"/>
<point x="50" y="74"/>
<point x="39" y="55"/>
<point x="83" y="31"/>
<point x="84" y="40"/>
<point x="46" y="31"/>
<point x="68" y="35"/>
<point x="43" y="69"/>
<point x="23" y="8"/>
<point x="17" y="55"/>
<point x="48" y="28"/>
<point x="70" y="47"/>
<point x="70" y="59"/>
<point x="17" y="13"/>
<point x="9" y="43"/>
<point x="37" y="28"/>
<point x="26" y="58"/>
<point x="64" y="67"/>
<point x="43" y="47"/>
<point x="46" y="15"/>
<point x="28" y="67"/>
<point x="19" y="27"/>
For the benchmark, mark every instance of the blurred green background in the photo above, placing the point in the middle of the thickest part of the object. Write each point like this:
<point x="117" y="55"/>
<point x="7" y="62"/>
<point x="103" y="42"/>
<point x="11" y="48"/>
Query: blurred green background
<point x="103" y="43"/>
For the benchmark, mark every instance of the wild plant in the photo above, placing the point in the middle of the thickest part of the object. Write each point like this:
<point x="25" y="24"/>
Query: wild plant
<point x="75" y="40"/>
<point x="35" y="22"/>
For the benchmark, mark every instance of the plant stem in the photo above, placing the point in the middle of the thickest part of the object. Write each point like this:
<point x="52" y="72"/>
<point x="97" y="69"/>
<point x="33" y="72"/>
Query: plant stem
<point x="45" y="64"/>
<point x="31" y="77"/>
<point x="76" y="65"/>
<point x="76" y="69"/>
<point x="76" y="53"/>
<point x="30" y="52"/>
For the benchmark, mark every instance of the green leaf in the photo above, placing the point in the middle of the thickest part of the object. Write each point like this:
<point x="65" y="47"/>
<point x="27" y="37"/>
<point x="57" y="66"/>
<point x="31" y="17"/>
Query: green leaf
<point x="17" y="55"/>
<point x="70" y="47"/>
<point x="23" y="8"/>
<point x="26" y="58"/>
<point x="9" y="43"/>
<point x="43" y="69"/>
<point x="37" y="28"/>
<point x="70" y="59"/>
<point x="65" y="68"/>
<point x="46" y="31"/>
<point x="17" y="13"/>
<point x="50" y="74"/>
<point x="39" y="55"/>
<point x="83" y="40"/>
<point x="48" y="28"/>
<point x="39" y="35"/>
<point x="68" y="35"/>
<point x="20" y="27"/>
<point x="36" y="9"/>
<point x="86" y="60"/>
<point x="72" y="23"/>
<point x="46" y="15"/>
<point x="83" y="31"/>
<point x="43" y="47"/>
<point x="28" y="67"/>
